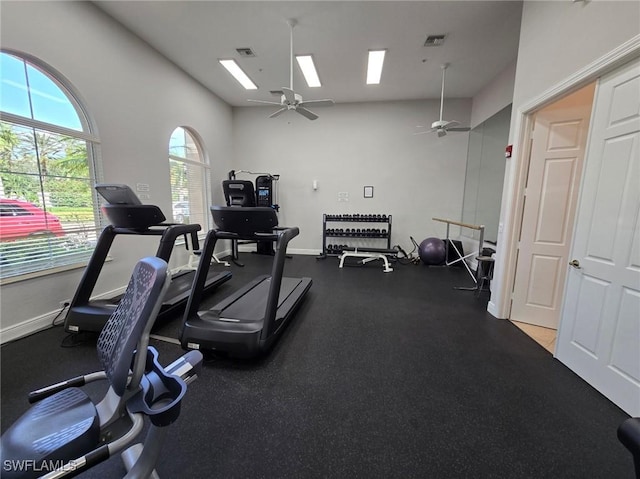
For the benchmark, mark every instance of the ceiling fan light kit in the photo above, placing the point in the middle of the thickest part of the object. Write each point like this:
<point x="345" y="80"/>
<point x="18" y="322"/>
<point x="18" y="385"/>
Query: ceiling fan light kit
<point x="441" y="127"/>
<point x="290" y="100"/>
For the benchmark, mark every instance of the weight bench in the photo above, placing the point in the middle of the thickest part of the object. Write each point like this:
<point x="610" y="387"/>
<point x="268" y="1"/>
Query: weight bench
<point x="368" y="254"/>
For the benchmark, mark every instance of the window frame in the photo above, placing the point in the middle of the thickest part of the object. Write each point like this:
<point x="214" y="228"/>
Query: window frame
<point x="89" y="134"/>
<point x="205" y="168"/>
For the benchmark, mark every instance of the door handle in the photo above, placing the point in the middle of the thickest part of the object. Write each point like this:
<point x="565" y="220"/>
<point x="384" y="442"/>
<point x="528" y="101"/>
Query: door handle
<point x="575" y="264"/>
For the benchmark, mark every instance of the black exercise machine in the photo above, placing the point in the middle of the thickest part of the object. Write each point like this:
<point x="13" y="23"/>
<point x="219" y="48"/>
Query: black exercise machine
<point x="65" y="432"/>
<point x="242" y="193"/>
<point x="130" y="217"/>
<point x="629" y="436"/>
<point x="248" y="322"/>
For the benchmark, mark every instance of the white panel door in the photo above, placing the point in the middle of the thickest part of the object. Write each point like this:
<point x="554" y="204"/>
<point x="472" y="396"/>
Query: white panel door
<point x="599" y="336"/>
<point x="558" y="146"/>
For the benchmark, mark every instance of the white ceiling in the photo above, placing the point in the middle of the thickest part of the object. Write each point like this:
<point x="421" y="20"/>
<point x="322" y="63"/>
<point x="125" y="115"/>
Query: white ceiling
<point x="482" y="39"/>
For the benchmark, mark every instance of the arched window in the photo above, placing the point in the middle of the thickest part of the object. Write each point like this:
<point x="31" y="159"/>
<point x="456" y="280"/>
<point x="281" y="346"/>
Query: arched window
<point x="190" y="177"/>
<point x="48" y="213"/>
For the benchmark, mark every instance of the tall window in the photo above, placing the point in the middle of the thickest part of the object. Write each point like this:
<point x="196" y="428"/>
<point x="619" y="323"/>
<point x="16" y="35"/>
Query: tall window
<point x="48" y="217"/>
<point x="190" y="179"/>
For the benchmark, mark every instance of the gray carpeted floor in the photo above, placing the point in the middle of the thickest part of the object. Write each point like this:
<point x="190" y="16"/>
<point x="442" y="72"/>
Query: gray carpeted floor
<point x="378" y="375"/>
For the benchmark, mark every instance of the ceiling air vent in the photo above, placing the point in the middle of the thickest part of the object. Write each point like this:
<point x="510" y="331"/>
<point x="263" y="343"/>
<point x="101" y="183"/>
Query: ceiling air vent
<point x="276" y="92"/>
<point x="245" y="52"/>
<point x="434" y="40"/>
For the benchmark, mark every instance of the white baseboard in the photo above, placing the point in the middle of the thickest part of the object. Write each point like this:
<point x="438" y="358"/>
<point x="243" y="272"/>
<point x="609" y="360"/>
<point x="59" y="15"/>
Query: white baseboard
<point x="33" y="325"/>
<point x="25" y="328"/>
<point x="308" y="252"/>
<point x="492" y="309"/>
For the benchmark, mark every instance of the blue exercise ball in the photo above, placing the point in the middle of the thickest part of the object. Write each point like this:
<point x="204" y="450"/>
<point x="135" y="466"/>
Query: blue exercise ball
<point x="432" y="251"/>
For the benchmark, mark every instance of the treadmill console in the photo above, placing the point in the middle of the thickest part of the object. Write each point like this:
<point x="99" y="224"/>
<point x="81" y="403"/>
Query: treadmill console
<point x="118" y="194"/>
<point x="245" y="222"/>
<point x="125" y="210"/>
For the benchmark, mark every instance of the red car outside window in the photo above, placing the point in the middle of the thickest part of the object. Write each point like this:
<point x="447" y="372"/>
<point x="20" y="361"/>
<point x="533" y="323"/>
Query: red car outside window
<point x="19" y="219"/>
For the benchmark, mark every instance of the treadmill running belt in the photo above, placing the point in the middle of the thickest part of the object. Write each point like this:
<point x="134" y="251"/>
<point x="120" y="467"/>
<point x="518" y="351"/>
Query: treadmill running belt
<point x="181" y="283"/>
<point x="251" y="306"/>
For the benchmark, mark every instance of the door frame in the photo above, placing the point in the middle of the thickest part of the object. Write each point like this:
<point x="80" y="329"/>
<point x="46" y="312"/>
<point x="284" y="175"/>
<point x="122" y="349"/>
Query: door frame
<point x="513" y="202"/>
<point x="526" y="260"/>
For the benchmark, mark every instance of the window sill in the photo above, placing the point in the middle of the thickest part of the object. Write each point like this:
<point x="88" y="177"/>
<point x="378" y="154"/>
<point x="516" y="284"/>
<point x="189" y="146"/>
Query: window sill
<point x="45" y="272"/>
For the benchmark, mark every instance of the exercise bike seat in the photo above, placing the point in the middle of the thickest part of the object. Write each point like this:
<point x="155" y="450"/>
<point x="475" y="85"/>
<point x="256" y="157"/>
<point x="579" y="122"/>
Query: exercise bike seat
<point x="66" y="433"/>
<point x="55" y="430"/>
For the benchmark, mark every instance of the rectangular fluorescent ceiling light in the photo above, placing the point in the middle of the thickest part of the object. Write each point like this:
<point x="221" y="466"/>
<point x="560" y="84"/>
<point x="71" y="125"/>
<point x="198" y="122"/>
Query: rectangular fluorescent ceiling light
<point x="308" y="70"/>
<point x="374" y="69"/>
<point x="233" y="68"/>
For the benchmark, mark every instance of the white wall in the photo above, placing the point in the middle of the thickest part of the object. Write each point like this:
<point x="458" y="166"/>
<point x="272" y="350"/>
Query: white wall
<point x="557" y="39"/>
<point x="415" y="177"/>
<point x="494" y="96"/>
<point x="137" y="98"/>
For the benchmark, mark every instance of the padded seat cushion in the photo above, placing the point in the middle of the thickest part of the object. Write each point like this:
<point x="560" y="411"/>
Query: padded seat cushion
<point x="55" y="430"/>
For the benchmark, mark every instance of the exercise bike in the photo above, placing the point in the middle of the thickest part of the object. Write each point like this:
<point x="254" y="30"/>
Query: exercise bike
<point x="65" y="433"/>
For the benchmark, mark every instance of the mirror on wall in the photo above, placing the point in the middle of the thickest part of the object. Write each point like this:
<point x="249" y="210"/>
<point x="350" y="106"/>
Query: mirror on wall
<point x="485" y="174"/>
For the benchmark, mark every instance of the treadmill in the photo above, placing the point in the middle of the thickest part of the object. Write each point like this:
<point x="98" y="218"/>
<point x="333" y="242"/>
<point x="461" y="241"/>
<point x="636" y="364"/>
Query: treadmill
<point x="129" y="216"/>
<point x="247" y="323"/>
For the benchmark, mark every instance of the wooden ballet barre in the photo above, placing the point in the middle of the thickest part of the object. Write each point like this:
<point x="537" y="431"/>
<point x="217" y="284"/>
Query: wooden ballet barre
<point x="460" y="256"/>
<point x="457" y="223"/>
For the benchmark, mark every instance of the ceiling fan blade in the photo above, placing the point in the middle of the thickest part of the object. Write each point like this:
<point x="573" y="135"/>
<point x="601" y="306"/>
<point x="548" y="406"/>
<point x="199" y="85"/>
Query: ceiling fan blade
<point x="459" y="129"/>
<point x="278" y="112"/>
<point x="317" y="102"/>
<point x="289" y="95"/>
<point x="306" y="113"/>
<point x="265" y="102"/>
<point x="421" y="132"/>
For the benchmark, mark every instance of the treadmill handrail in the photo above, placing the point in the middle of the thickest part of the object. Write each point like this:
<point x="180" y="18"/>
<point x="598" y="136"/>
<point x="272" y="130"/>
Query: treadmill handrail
<point x="276" y="279"/>
<point x="283" y="237"/>
<point x="91" y="273"/>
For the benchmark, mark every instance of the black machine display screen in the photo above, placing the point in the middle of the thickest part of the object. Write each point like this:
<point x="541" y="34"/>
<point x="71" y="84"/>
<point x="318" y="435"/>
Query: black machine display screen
<point x="264" y="197"/>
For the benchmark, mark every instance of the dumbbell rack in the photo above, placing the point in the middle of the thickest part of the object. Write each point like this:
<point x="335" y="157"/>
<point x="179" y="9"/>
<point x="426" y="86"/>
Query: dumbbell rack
<point x="361" y="236"/>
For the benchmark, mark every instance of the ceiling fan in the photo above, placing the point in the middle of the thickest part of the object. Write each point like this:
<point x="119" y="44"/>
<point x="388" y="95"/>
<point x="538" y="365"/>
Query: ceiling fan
<point x="441" y="127"/>
<point x="290" y="100"/>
